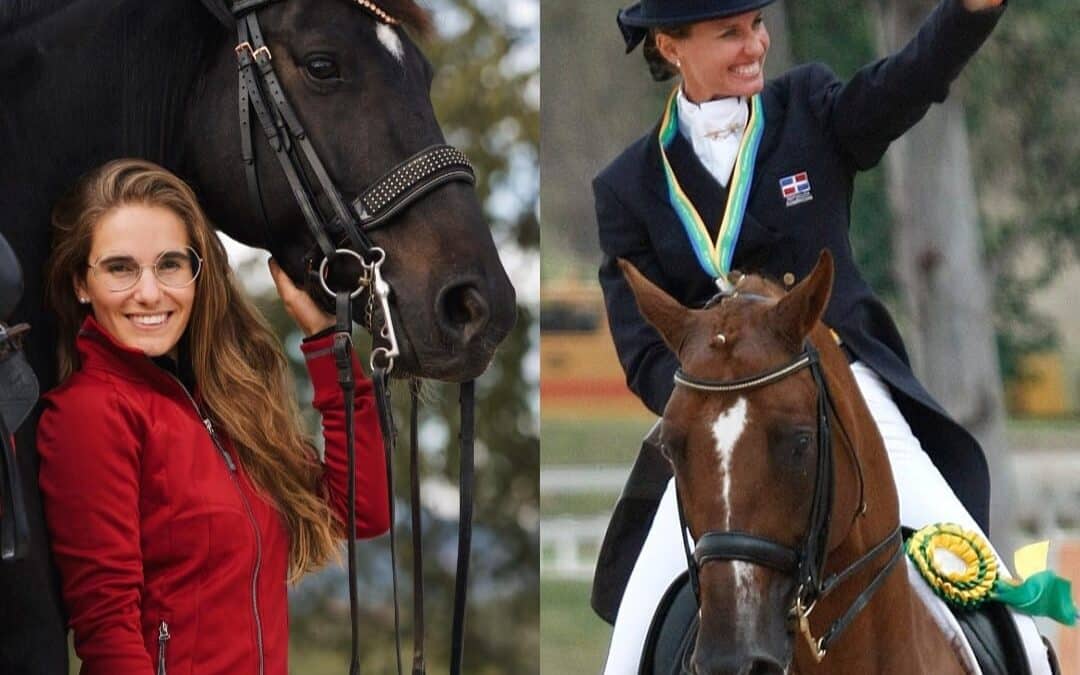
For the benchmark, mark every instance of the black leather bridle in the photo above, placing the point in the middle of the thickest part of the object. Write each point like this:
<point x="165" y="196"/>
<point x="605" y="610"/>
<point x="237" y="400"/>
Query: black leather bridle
<point x="343" y="232"/>
<point x="805" y="564"/>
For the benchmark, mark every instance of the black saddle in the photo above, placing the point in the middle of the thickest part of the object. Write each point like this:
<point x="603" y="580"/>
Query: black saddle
<point x="990" y="631"/>
<point x="18" y="393"/>
<point x="11" y="281"/>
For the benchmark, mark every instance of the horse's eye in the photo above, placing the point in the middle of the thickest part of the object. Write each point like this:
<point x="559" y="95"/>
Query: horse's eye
<point x="322" y="67"/>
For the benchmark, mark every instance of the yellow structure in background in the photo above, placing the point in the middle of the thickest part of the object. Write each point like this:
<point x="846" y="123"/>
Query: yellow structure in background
<point x="581" y="376"/>
<point x="580" y="372"/>
<point x="1042" y="391"/>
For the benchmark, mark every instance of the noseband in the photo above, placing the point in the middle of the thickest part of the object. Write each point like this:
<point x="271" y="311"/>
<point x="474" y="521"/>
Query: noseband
<point x="344" y="232"/>
<point x="805" y="564"/>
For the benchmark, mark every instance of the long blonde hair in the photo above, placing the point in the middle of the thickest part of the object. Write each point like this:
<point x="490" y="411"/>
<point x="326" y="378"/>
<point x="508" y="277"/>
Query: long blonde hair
<point x="237" y="361"/>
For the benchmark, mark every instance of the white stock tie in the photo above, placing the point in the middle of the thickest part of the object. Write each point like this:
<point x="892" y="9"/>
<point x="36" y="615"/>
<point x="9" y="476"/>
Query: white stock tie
<point x="714" y="129"/>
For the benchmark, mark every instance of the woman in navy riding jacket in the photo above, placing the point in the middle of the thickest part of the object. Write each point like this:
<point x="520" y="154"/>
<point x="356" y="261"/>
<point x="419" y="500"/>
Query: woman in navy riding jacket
<point x="179" y="488"/>
<point x="769" y="164"/>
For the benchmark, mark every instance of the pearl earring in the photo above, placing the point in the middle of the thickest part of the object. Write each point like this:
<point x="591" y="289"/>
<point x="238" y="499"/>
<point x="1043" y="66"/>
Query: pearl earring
<point x="84" y="301"/>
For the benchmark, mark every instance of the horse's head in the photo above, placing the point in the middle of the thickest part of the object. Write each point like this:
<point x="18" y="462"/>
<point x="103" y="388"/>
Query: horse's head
<point x="746" y="458"/>
<point x="359" y="87"/>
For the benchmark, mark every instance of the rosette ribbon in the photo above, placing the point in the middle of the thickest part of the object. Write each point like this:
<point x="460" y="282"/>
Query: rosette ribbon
<point x="962" y="569"/>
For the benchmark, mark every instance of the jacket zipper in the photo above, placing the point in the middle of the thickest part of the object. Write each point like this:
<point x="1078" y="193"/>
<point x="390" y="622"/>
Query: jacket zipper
<point x="163" y="637"/>
<point x="251" y="517"/>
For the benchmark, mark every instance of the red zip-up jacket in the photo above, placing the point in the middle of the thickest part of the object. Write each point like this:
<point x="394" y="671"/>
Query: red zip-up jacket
<point x="169" y="559"/>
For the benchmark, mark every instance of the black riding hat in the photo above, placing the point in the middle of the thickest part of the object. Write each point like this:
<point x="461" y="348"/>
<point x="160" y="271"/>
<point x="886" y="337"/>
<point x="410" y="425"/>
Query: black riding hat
<point x="636" y="20"/>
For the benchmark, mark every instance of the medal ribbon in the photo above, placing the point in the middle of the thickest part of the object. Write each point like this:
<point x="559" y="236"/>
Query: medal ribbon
<point x="714" y="256"/>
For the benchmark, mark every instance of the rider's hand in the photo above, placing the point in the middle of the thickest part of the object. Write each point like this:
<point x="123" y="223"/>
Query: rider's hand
<point x="299" y="304"/>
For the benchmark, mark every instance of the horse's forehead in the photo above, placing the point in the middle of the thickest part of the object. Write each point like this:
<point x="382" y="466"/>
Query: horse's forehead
<point x="390" y="39"/>
<point x="728" y="426"/>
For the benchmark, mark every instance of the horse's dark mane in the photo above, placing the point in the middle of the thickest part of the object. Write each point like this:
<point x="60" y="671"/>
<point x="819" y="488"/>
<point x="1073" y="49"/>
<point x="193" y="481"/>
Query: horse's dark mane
<point x="17" y="13"/>
<point x="409" y="14"/>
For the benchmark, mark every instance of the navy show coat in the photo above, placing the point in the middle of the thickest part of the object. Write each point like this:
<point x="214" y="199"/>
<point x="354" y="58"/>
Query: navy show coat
<point x="830" y="129"/>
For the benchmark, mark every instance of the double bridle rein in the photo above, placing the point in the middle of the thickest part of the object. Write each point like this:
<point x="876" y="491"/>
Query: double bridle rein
<point x="343" y="232"/>
<point x="805" y="564"/>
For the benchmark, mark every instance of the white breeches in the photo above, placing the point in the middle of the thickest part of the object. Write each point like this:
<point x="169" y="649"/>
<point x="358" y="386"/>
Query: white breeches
<point x="925" y="498"/>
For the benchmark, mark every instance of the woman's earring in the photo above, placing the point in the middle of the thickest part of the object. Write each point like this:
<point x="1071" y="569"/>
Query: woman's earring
<point x="678" y="64"/>
<point x="84" y="301"/>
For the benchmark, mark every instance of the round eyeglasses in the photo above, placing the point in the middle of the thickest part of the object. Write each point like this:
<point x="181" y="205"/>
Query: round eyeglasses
<point x="175" y="269"/>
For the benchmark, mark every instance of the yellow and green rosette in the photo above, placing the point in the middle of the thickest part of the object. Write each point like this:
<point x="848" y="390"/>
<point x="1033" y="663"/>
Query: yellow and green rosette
<point x="962" y="569"/>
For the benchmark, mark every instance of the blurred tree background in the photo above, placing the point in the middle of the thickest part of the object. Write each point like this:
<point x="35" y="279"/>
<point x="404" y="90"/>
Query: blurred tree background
<point x="486" y="95"/>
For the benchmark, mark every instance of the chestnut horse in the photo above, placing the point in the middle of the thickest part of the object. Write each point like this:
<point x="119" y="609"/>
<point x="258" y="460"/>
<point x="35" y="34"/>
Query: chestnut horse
<point x="784" y="484"/>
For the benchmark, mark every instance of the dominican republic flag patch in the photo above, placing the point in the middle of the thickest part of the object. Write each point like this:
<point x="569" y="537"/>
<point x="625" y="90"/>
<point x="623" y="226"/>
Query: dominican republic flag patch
<point x="796" y="189"/>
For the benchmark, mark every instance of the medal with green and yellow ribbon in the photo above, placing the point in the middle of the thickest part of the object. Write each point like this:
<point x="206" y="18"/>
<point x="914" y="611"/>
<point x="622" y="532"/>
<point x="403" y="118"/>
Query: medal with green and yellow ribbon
<point x="960" y="567"/>
<point x="714" y="256"/>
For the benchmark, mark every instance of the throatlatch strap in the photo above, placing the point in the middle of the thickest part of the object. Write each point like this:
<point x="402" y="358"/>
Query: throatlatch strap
<point x="467" y="401"/>
<point x="418" y="664"/>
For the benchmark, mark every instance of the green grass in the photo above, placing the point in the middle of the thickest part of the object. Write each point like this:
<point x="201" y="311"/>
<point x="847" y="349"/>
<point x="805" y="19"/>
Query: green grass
<point x="574" y="639"/>
<point x="594" y="441"/>
<point x="577" y="505"/>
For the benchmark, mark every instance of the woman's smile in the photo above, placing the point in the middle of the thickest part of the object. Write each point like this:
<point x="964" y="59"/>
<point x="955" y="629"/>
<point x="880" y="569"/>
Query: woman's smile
<point x="150" y="321"/>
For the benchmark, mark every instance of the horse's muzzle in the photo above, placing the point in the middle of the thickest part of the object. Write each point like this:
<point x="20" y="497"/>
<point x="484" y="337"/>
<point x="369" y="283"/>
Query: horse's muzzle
<point x="726" y="665"/>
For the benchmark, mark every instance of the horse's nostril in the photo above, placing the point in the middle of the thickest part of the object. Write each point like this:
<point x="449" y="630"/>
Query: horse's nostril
<point x="765" y="666"/>
<point x="462" y="311"/>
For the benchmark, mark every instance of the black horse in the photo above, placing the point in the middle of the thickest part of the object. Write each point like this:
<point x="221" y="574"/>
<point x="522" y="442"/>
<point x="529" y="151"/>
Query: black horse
<point x="86" y="81"/>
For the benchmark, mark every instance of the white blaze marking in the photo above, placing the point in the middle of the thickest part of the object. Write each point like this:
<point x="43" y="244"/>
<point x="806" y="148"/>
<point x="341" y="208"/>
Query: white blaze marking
<point x="389" y="39"/>
<point x="727" y="430"/>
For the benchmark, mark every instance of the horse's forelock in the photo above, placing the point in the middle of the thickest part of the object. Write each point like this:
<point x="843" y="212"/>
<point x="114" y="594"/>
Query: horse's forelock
<point x="409" y="13"/>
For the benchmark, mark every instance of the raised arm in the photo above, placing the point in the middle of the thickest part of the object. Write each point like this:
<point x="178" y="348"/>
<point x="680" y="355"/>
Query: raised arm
<point x="89" y="478"/>
<point x="886" y="98"/>
<point x="648" y="363"/>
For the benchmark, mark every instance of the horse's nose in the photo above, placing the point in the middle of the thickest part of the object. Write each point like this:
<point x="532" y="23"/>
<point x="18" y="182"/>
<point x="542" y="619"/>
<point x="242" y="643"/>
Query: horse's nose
<point x="763" y="666"/>
<point x="461" y="310"/>
<point x="757" y="665"/>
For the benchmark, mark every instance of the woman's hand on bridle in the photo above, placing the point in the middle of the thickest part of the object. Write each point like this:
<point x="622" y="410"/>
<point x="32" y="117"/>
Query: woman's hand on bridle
<point x="299" y="304"/>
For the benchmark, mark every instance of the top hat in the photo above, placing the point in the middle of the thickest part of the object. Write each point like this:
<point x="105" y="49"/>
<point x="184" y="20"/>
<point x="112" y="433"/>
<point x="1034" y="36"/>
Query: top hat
<point x="636" y="20"/>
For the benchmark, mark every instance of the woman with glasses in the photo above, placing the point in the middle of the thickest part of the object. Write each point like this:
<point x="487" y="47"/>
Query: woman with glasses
<point x="180" y="490"/>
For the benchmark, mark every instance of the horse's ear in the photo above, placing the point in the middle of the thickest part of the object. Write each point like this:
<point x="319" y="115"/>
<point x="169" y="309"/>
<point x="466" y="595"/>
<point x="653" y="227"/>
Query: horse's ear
<point x="665" y="313"/>
<point x="795" y="314"/>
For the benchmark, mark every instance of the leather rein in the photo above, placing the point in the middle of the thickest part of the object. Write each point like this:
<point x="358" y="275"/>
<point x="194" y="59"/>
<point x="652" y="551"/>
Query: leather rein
<point x="805" y="564"/>
<point x="343" y="232"/>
